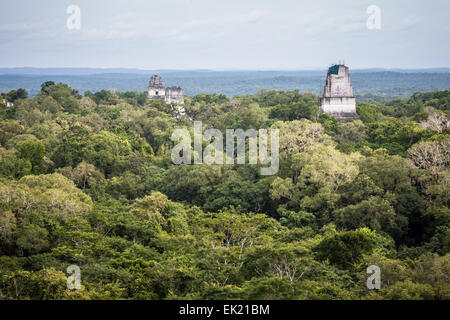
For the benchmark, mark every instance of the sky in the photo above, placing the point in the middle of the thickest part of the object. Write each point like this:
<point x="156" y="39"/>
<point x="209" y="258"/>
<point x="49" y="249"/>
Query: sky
<point x="225" y="34"/>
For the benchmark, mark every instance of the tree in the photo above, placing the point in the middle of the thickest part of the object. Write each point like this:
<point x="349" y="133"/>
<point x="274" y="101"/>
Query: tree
<point x="245" y="195"/>
<point x="69" y="150"/>
<point x="319" y="173"/>
<point x="300" y="135"/>
<point x="8" y="223"/>
<point x="431" y="155"/>
<point x="84" y="175"/>
<point x="106" y="151"/>
<point x="437" y="121"/>
<point x="330" y="124"/>
<point x="346" y="250"/>
<point x="34" y="152"/>
<point x="397" y="177"/>
<point x="269" y="289"/>
<point x="190" y="183"/>
<point x="405" y="290"/>
<point x="46" y="85"/>
<point x="325" y="167"/>
<point x="307" y="108"/>
<point x="17" y="141"/>
<point x="14" y="95"/>
<point x="375" y="213"/>
<point x="369" y="112"/>
<point x="128" y="185"/>
<point x="153" y="207"/>
<point x="353" y="131"/>
<point x="87" y="104"/>
<point x="63" y="94"/>
<point x="53" y="194"/>
<point x="141" y="227"/>
<point x="9" y="129"/>
<point x="32" y="238"/>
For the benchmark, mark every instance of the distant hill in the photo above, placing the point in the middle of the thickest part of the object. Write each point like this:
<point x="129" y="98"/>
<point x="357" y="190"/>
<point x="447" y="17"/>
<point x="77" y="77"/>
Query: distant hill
<point x="369" y="82"/>
<point x="91" y="71"/>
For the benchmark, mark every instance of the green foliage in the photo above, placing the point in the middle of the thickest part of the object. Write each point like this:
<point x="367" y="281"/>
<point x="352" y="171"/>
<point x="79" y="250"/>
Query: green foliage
<point x="88" y="180"/>
<point x="14" y="95"/>
<point x="369" y="113"/>
<point x="346" y="250"/>
<point x="245" y="195"/>
<point x="304" y="107"/>
<point x="33" y="151"/>
<point x="406" y="290"/>
<point x="330" y="124"/>
<point x="107" y="151"/>
<point x="62" y="94"/>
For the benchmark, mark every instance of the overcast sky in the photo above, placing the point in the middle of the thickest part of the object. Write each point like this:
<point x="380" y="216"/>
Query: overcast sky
<point x="225" y="34"/>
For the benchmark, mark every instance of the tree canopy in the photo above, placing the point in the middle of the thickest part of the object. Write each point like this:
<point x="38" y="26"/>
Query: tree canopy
<point x="87" y="180"/>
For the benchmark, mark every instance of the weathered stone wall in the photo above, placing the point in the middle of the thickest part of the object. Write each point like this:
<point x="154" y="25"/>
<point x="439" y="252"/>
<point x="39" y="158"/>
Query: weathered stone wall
<point x="156" y="90"/>
<point x="341" y="104"/>
<point x="337" y="99"/>
<point x="156" y="82"/>
<point x="174" y="94"/>
<point x="156" y="93"/>
<point x="338" y="85"/>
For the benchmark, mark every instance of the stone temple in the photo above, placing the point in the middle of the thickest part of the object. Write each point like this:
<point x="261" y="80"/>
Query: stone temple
<point x="156" y="90"/>
<point x="338" y="99"/>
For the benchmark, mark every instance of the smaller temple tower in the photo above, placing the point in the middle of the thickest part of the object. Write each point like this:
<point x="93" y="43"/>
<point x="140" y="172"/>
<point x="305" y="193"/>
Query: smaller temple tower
<point x="156" y="90"/>
<point x="338" y="99"/>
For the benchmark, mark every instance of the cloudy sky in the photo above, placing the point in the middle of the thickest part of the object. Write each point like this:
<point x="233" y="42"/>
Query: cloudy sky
<point x="225" y="34"/>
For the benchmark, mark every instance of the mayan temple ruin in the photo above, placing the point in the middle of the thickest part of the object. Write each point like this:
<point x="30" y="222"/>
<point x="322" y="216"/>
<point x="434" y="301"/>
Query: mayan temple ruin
<point x="338" y="99"/>
<point x="156" y="90"/>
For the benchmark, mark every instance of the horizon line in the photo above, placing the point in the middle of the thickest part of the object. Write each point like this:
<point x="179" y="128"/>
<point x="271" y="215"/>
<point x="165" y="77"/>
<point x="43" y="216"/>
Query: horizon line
<point x="220" y="69"/>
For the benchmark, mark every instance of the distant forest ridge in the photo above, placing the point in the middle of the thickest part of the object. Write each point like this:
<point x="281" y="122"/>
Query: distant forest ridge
<point x="367" y="83"/>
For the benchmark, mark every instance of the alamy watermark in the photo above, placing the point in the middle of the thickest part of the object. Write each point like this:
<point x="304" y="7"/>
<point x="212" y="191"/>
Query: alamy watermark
<point x="74" y="280"/>
<point x="374" y="281"/>
<point x="235" y="139"/>
<point x="374" y="19"/>
<point x="74" y="20"/>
